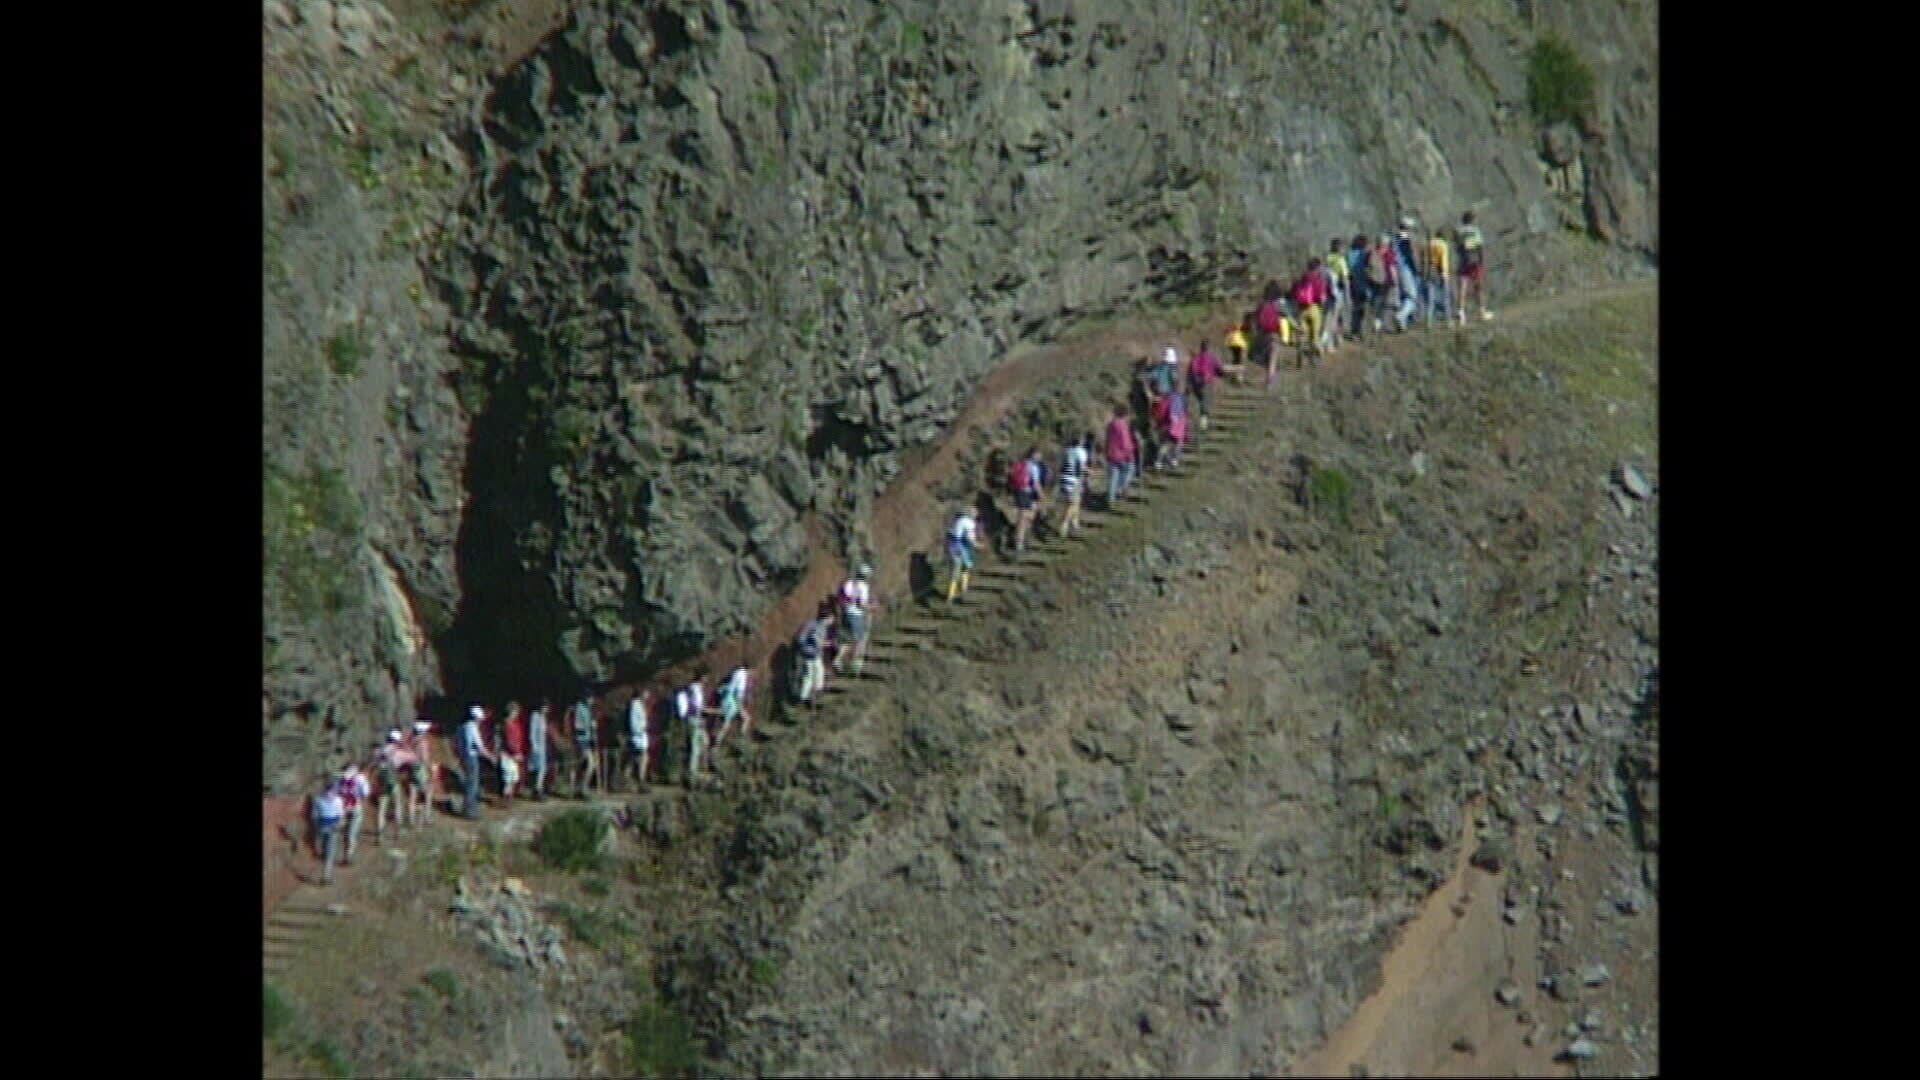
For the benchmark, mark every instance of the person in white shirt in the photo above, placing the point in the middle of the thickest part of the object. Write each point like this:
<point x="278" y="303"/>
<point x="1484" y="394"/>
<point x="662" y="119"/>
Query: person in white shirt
<point x="537" y="750"/>
<point x="638" y="748"/>
<point x="733" y="702"/>
<point x="687" y="704"/>
<point x="328" y="809"/>
<point x="472" y="749"/>
<point x="355" y="792"/>
<point x="960" y="549"/>
<point x="856" y="604"/>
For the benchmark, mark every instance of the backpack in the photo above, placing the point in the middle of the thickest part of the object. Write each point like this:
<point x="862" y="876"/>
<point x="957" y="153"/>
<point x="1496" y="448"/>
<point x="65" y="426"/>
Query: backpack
<point x="1020" y="477"/>
<point x="1268" y="318"/>
<point x="808" y="643"/>
<point x="1471" y="246"/>
<point x="388" y="775"/>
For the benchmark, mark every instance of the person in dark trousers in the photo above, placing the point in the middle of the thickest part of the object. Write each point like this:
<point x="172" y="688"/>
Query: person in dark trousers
<point x="1360" y="284"/>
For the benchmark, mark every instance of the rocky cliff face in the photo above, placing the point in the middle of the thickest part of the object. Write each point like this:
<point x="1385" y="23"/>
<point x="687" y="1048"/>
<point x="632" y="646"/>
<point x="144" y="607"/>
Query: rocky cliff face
<point x="709" y="270"/>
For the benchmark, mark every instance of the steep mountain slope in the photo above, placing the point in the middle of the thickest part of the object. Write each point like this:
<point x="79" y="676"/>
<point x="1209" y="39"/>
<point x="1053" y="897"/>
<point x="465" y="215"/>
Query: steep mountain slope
<point x="579" y="347"/>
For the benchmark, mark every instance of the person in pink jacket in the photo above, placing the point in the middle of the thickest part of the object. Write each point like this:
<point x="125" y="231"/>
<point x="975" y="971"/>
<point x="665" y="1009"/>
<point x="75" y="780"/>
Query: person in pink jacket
<point x="1122" y="453"/>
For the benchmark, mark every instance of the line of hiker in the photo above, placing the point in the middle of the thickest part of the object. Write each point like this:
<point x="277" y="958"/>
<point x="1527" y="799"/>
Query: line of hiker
<point x="1388" y="284"/>
<point x="1334" y="299"/>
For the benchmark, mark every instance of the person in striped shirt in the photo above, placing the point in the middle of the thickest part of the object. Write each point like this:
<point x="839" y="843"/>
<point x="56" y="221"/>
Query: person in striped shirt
<point x="1073" y="481"/>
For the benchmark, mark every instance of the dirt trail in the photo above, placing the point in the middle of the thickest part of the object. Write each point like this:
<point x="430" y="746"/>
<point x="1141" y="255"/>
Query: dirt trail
<point x="1436" y="987"/>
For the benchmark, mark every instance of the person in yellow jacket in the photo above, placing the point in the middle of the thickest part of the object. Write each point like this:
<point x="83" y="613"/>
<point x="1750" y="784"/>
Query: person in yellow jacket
<point x="1337" y="305"/>
<point x="1438" y="268"/>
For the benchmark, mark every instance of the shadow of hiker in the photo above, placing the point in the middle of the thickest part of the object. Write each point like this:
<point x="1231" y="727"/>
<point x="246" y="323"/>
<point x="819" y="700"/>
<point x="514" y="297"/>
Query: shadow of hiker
<point x="920" y="576"/>
<point x="783" y="670"/>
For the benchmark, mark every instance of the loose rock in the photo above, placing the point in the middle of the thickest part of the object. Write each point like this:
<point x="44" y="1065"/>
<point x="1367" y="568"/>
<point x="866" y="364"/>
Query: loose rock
<point x="1580" y="1050"/>
<point x="1594" y="974"/>
<point x="1635" y="483"/>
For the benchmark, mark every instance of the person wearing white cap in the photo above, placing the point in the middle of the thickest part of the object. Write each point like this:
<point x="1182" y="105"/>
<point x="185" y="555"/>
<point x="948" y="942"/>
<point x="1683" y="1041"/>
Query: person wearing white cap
<point x="733" y="703"/>
<point x="420" y="773"/>
<point x="387" y="766"/>
<point x="1407" y="274"/>
<point x="472" y="749"/>
<point x="328" y="809"/>
<point x="353" y="794"/>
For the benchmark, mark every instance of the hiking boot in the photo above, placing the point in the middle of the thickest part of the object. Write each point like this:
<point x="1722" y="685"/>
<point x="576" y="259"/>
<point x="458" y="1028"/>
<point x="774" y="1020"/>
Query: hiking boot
<point x="1485" y="314"/>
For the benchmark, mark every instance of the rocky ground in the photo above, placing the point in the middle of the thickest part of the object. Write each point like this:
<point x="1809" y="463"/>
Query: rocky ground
<point x="1166" y="805"/>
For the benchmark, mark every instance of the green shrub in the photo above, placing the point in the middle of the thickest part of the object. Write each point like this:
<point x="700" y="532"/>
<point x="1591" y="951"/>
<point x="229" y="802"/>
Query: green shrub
<point x="1559" y="83"/>
<point x="331" y="1059"/>
<point x="597" y="887"/>
<point x="1331" y="493"/>
<point x="571" y="841"/>
<point x="660" y="1042"/>
<point x="765" y="970"/>
<point x="310" y="522"/>
<point x="345" y="351"/>
<point x="592" y="928"/>
<point x="444" y="983"/>
<point x="276" y="1013"/>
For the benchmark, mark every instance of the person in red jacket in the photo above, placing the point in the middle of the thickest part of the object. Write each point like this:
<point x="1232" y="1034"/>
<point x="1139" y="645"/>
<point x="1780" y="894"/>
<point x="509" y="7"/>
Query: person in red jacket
<point x="514" y="744"/>
<point x="1309" y="297"/>
<point x="1202" y="372"/>
<point x="1121" y="451"/>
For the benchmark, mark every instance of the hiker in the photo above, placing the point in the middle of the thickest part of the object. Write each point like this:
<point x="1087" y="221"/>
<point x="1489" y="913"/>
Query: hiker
<point x="354" y="795"/>
<point x="961" y="537"/>
<point x="855" y="599"/>
<point x="1385" y="278"/>
<point x="1202" y="372"/>
<point x="1121" y="454"/>
<point x="733" y="703"/>
<point x="1274" y="329"/>
<point x="585" y="739"/>
<point x="811" y="646"/>
<point x="421" y="773"/>
<point x="1073" y="477"/>
<point x="1438" y="271"/>
<point x="472" y="749"/>
<point x="1339" y="298"/>
<point x="537" y="750"/>
<point x="639" y="748"/>
<point x="1308" y="294"/>
<point x="1140" y="401"/>
<point x="328" y="810"/>
<point x="513" y="739"/>
<point x="1170" y="421"/>
<point x="1361" y="276"/>
<point x="1407" y="274"/>
<point x="1027" y="480"/>
<point x="686" y="705"/>
<point x="391" y="761"/>
<point x="1473" y="267"/>
<point x="1237" y="346"/>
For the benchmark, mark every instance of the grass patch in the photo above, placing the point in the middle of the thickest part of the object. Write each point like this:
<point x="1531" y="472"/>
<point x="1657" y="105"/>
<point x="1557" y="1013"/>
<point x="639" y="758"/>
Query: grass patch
<point x="444" y="983"/>
<point x="1306" y="18"/>
<point x="310" y="522"/>
<point x="1390" y="807"/>
<point x="591" y="927"/>
<point x="1136" y="792"/>
<point x="1330" y="493"/>
<point x="277" y="1013"/>
<point x="660" y="1042"/>
<point x="765" y="971"/>
<point x="571" y="841"/>
<point x="346" y="353"/>
<point x="330" y="1059"/>
<point x="1559" y="82"/>
<point x="597" y="887"/>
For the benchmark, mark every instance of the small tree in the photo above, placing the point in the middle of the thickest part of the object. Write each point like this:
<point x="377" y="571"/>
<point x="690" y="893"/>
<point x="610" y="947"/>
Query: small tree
<point x="1559" y="83"/>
